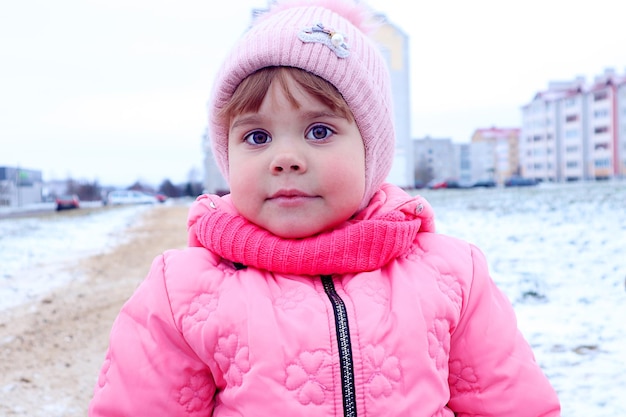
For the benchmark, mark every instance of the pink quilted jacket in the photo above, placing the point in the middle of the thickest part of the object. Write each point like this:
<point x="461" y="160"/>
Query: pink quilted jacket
<point x="380" y="317"/>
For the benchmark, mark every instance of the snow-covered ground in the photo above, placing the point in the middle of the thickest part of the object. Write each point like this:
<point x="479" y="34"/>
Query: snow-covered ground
<point x="557" y="251"/>
<point x="34" y="250"/>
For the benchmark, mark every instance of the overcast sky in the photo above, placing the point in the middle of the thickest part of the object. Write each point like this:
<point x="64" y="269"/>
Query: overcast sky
<point x="115" y="91"/>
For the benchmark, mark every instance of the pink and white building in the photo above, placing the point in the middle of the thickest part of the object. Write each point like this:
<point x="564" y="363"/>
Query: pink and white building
<point x="576" y="131"/>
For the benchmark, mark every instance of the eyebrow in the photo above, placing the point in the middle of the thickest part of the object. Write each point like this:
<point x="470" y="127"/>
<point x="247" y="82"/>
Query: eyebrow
<point x="254" y="119"/>
<point x="322" y="114"/>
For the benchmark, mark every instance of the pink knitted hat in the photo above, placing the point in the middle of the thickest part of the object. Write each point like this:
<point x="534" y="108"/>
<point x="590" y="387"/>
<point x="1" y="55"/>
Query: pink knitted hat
<point x="328" y="39"/>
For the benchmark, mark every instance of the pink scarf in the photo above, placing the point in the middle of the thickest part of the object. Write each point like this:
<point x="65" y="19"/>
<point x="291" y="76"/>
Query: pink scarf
<point x="384" y="230"/>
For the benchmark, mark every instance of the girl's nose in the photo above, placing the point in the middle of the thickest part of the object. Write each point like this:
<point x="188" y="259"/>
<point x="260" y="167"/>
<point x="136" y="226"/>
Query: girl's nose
<point x="288" y="161"/>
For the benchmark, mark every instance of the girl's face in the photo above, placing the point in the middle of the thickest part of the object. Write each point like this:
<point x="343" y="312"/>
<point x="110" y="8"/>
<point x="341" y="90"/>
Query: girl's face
<point x="295" y="170"/>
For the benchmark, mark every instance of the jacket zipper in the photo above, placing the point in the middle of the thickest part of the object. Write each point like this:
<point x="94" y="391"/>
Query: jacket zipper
<point x="345" y="347"/>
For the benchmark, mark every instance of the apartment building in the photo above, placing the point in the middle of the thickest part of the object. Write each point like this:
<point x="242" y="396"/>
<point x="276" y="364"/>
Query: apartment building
<point x="606" y="120"/>
<point x="621" y="130"/>
<point x="492" y="155"/>
<point x="435" y="159"/>
<point x="498" y="157"/>
<point x="573" y="131"/>
<point x="394" y="46"/>
<point x="551" y="139"/>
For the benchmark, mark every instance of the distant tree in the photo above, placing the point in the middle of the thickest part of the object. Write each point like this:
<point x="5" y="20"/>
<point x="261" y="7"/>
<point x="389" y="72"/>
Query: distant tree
<point x="193" y="189"/>
<point x="138" y="186"/>
<point x="85" y="190"/>
<point x="89" y="191"/>
<point x="194" y="186"/>
<point x="71" y="186"/>
<point x="169" y="189"/>
<point x="422" y="173"/>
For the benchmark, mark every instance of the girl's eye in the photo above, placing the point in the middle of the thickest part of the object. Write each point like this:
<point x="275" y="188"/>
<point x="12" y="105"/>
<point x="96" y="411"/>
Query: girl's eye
<point x="319" y="132"/>
<point x="257" y="137"/>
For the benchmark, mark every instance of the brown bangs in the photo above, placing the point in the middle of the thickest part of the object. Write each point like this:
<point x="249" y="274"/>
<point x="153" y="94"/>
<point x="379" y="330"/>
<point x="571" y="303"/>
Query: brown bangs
<point x="249" y="95"/>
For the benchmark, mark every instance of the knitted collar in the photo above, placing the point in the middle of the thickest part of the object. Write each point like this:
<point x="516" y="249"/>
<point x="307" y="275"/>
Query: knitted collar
<point x="381" y="232"/>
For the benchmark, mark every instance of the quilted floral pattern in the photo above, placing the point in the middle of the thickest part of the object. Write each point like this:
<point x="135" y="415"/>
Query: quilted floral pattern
<point x="201" y="307"/>
<point x="376" y="292"/>
<point x="310" y="377"/>
<point x="383" y="371"/>
<point x="232" y="359"/>
<point x="451" y="287"/>
<point x="462" y="378"/>
<point x="196" y="396"/>
<point x="439" y="343"/>
<point x="290" y="299"/>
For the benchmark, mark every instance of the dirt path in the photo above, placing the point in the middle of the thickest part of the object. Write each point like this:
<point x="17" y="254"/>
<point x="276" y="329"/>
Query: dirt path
<point x="51" y="351"/>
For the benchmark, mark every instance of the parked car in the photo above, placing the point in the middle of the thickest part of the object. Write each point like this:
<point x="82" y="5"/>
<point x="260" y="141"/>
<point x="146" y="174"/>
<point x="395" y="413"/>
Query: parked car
<point x="444" y="184"/>
<point x="67" y="202"/>
<point x="161" y="197"/>
<point x="484" y="183"/>
<point x="118" y="197"/>
<point x="520" y="182"/>
<point x="418" y="185"/>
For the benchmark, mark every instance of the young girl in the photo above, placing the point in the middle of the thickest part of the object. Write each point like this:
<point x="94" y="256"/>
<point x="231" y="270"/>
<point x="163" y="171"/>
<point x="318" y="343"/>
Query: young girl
<point x="314" y="288"/>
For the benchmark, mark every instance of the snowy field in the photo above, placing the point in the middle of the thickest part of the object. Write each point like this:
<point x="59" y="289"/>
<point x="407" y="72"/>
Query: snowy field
<point x="557" y="251"/>
<point x="39" y="247"/>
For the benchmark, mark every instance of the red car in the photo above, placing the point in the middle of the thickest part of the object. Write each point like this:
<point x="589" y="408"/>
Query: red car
<point x="438" y="185"/>
<point x="66" y="202"/>
<point x="161" y="197"/>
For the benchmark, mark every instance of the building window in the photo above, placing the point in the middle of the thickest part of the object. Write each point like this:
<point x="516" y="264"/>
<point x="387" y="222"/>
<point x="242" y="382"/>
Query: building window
<point x="571" y="118"/>
<point x="600" y="113"/>
<point x="601" y="146"/>
<point x="601" y="129"/>
<point x="600" y="95"/>
<point x="602" y="163"/>
<point x="571" y="133"/>
<point x="571" y="149"/>
<point x="571" y="164"/>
